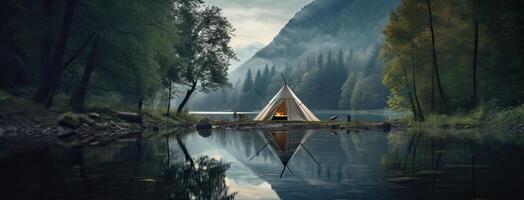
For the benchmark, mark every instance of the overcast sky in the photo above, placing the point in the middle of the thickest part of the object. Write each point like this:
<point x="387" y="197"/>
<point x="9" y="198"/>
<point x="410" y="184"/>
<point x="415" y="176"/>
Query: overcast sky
<point x="257" y="20"/>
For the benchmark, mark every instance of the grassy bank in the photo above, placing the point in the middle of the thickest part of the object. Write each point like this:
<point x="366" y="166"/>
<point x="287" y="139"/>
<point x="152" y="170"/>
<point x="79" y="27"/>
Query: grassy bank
<point x="23" y="122"/>
<point x="506" y="118"/>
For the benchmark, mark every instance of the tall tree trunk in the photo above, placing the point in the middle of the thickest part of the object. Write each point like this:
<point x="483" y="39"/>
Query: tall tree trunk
<point x="77" y="101"/>
<point x="432" y="100"/>
<point x="186" y="98"/>
<point x="475" y="54"/>
<point x="140" y="104"/>
<point x="415" y="113"/>
<point x="56" y="66"/>
<point x="169" y="98"/>
<point x="45" y="55"/>
<point x="45" y="79"/>
<point x="434" y="53"/>
<point x="68" y="62"/>
<point x="413" y="79"/>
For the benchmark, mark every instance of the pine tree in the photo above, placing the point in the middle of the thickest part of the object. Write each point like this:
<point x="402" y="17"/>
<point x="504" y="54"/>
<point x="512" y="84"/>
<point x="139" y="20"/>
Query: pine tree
<point x="246" y="99"/>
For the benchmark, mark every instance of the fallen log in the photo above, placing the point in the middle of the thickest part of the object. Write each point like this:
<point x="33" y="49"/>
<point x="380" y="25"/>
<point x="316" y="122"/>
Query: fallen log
<point x="130" y="117"/>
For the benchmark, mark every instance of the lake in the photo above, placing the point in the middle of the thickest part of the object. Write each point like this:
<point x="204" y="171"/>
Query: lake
<point x="364" y="115"/>
<point x="285" y="164"/>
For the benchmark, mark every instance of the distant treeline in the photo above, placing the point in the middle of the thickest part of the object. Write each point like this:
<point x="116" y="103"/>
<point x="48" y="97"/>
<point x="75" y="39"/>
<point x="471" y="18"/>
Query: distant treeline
<point x="454" y="55"/>
<point x="326" y="81"/>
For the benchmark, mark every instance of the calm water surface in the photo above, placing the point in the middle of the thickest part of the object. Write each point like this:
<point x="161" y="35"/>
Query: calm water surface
<point x="287" y="164"/>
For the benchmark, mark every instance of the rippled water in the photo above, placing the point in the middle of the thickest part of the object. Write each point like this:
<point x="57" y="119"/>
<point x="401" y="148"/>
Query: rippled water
<point x="286" y="164"/>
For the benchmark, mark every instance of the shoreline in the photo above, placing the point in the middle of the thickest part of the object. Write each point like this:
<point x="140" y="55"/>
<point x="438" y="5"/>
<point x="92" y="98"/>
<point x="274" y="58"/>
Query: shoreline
<point x="23" y="122"/>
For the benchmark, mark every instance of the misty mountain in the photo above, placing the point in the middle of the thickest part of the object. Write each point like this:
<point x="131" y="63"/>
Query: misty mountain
<point x="325" y="25"/>
<point x="244" y="53"/>
<point x="329" y="47"/>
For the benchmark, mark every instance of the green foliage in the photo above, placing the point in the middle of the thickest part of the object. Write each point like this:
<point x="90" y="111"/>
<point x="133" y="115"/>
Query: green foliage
<point x="145" y="49"/>
<point x="510" y="117"/>
<point x="482" y="116"/>
<point x="499" y="68"/>
<point x="204" y="46"/>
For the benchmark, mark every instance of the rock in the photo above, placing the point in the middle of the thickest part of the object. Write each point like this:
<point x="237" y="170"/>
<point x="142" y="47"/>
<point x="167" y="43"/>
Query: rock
<point x="93" y="115"/>
<point x="204" y="124"/>
<point x="124" y="125"/>
<point x="69" y="120"/>
<point x="185" y="124"/>
<point x="130" y="117"/>
<point x="204" y="132"/>
<point x="385" y="126"/>
<point x="100" y="125"/>
<point x="66" y="135"/>
<point x="86" y="119"/>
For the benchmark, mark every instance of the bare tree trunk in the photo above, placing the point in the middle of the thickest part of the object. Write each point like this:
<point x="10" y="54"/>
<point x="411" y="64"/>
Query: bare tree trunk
<point x="45" y="54"/>
<point x="415" y="113"/>
<point x="432" y="104"/>
<point x="56" y="66"/>
<point x="186" y="98"/>
<point x="413" y="77"/>
<point x="475" y="54"/>
<point x="77" y="101"/>
<point x="435" y="65"/>
<point x="140" y="104"/>
<point x="169" y="98"/>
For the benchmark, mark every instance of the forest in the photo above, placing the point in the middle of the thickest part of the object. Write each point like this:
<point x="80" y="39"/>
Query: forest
<point x="375" y="99"/>
<point x="342" y="83"/>
<point x="420" y="56"/>
<point x="329" y="47"/>
<point x="75" y="54"/>
<point x="452" y="56"/>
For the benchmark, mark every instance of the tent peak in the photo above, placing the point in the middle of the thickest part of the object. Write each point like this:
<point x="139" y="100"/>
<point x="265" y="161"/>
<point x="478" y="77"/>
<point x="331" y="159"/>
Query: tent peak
<point x="284" y="79"/>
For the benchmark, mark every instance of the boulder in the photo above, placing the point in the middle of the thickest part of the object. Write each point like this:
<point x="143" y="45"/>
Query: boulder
<point x="204" y="133"/>
<point x="69" y="120"/>
<point x="93" y="115"/>
<point x="86" y="119"/>
<point x="130" y="117"/>
<point x="66" y="135"/>
<point x="204" y="124"/>
<point x="124" y="125"/>
<point x="385" y="126"/>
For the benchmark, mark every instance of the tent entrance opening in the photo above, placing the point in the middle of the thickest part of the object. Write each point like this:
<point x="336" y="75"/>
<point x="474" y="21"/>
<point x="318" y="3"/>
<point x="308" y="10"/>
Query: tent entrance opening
<point x="281" y="113"/>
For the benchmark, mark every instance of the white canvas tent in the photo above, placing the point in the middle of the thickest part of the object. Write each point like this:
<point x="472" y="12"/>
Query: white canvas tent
<point x="285" y="105"/>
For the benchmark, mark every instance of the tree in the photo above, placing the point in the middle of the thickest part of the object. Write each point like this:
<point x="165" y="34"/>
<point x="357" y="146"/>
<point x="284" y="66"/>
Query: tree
<point x="77" y="100"/>
<point x="54" y="69"/>
<point x="247" y="95"/>
<point x="204" y="47"/>
<point x="434" y="58"/>
<point x="488" y="53"/>
<point x="266" y="78"/>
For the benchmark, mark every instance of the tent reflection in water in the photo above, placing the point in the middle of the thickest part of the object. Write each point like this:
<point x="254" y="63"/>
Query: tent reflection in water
<point x="285" y="105"/>
<point x="285" y="145"/>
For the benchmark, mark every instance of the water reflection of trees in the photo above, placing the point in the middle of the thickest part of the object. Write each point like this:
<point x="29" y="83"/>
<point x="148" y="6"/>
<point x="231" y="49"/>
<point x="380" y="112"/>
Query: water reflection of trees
<point x="204" y="180"/>
<point x="426" y="164"/>
<point x="131" y="169"/>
